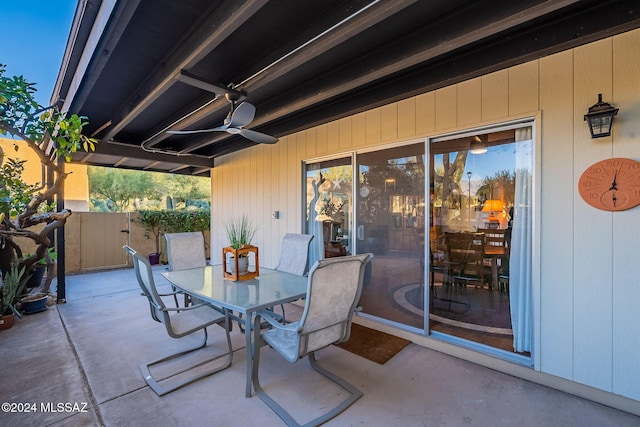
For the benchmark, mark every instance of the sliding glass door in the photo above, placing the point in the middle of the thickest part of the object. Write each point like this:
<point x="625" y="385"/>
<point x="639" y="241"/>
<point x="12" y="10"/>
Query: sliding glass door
<point x="329" y="187"/>
<point x="390" y="223"/>
<point x="481" y="237"/>
<point x="450" y="230"/>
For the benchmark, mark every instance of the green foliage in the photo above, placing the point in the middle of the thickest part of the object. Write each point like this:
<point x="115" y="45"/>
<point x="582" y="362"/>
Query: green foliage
<point x="22" y="116"/>
<point x="120" y="186"/>
<point x="14" y="282"/>
<point x="162" y="222"/>
<point x="38" y="128"/>
<point x="502" y="185"/>
<point x="53" y="255"/>
<point x="13" y="188"/>
<point x="185" y="187"/>
<point x="240" y="231"/>
<point x="120" y="189"/>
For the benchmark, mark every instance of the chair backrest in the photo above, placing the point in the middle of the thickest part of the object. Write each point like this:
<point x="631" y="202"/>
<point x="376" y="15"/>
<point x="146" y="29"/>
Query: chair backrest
<point x="144" y="274"/>
<point x="418" y="238"/>
<point x="333" y="292"/>
<point x="294" y="253"/>
<point x="185" y="250"/>
<point x="466" y="250"/>
<point x="494" y="237"/>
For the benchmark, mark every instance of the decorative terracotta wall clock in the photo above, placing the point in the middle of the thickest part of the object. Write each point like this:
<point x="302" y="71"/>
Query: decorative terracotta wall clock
<point x="612" y="184"/>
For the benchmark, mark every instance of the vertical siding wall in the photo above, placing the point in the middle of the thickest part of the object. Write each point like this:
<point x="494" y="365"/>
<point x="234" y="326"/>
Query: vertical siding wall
<point x="587" y="324"/>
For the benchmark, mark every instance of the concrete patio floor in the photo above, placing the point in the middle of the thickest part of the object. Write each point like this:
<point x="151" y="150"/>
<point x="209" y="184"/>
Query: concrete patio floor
<point x="86" y="354"/>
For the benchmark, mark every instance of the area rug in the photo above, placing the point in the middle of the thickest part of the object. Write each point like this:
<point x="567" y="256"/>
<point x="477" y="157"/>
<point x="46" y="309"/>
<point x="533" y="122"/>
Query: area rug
<point x="478" y="310"/>
<point x="374" y="345"/>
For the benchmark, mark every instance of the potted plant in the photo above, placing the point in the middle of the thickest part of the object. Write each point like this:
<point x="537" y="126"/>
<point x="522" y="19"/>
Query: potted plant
<point x="34" y="303"/>
<point x="240" y="231"/>
<point x="152" y="222"/>
<point x="14" y="282"/>
<point x="38" y="269"/>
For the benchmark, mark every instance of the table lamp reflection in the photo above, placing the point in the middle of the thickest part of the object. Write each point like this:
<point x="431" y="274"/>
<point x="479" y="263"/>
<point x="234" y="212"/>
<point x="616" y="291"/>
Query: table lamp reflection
<point x="493" y="206"/>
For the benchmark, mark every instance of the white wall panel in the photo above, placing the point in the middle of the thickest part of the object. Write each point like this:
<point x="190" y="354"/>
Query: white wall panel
<point x="359" y="130"/>
<point x="592" y="228"/>
<point x="446" y="108"/>
<point x="345" y="140"/>
<point x="407" y="118"/>
<point x="389" y="122"/>
<point x="523" y="88"/>
<point x="372" y="122"/>
<point x="556" y="308"/>
<point x="469" y="102"/>
<point x="495" y="95"/>
<point x="626" y="251"/>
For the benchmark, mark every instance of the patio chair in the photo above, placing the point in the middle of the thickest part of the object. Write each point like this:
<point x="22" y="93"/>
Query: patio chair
<point x="184" y="251"/>
<point x="294" y="253"/>
<point x="179" y="322"/>
<point x="333" y="291"/>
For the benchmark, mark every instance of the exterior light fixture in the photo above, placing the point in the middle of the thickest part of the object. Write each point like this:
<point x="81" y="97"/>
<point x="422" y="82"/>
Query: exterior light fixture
<point x="477" y="146"/>
<point x="600" y="118"/>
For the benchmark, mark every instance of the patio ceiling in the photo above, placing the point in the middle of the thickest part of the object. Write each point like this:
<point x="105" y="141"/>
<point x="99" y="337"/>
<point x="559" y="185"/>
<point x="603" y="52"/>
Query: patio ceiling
<point x="138" y="68"/>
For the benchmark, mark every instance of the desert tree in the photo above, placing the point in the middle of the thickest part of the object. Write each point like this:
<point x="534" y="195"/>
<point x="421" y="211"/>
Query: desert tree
<point x="54" y="136"/>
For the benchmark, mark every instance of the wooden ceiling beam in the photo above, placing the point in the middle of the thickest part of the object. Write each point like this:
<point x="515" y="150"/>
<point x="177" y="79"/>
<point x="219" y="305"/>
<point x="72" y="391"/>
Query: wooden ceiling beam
<point x="360" y="74"/>
<point x="294" y="59"/>
<point x="224" y="22"/>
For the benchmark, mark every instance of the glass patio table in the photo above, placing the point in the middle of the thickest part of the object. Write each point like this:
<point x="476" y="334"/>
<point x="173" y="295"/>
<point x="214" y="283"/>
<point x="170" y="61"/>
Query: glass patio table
<point x="269" y="289"/>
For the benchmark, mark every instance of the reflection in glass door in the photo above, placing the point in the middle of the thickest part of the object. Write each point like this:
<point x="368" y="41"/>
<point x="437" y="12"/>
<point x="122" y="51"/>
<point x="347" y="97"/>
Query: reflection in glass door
<point x="390" y="223"/>
<point x="459" y="249"/>
<point x="329" y="215"/>
<point x="481" y="237"/>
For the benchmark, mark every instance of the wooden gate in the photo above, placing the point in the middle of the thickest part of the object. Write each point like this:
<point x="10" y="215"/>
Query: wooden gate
<point x="102" y="236"/>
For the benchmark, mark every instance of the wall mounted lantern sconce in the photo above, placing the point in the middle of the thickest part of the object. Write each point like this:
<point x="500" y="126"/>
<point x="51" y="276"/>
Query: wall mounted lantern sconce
<point x="600" y="118"/>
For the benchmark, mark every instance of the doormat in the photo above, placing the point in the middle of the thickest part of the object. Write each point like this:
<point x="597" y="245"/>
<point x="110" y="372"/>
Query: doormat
<point x="374" y="345"/>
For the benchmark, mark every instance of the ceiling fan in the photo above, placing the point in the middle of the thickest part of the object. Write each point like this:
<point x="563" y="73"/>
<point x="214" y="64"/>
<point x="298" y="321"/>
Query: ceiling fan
<point x="234" y="123"/>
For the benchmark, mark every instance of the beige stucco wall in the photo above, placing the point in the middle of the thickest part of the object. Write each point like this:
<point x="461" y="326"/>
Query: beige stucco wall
<point x="76" y="184"/>
<point x="586" y="293"/>
<point x="76" y="189"/>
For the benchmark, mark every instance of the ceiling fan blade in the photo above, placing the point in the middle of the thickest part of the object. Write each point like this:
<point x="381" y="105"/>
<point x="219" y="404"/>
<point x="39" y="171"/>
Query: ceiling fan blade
<point x="242" y="115"/>
<point x="188" y="132"/>
<point x="260" y="138"/>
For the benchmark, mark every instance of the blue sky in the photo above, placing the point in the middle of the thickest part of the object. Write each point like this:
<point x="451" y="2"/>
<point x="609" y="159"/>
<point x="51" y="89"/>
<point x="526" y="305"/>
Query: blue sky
<point x="33" y="35"/>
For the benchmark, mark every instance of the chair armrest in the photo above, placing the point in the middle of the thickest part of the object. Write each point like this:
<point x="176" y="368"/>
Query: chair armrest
<point x="171" y="294"/>
<point x="271" y="318"/>
<point x="190" y="307"/>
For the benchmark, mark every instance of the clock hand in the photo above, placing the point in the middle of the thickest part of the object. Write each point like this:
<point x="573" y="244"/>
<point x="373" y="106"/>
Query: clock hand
<point x="613" y="184"/>
<point x="614" y="198"/>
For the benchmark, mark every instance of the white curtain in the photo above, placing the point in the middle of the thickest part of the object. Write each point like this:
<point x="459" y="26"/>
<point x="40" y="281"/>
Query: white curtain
<point x="520" y="274"/>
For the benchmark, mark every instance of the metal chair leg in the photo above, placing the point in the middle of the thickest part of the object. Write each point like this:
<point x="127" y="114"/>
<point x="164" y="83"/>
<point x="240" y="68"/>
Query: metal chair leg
<point x="354" y="393"/>
<point x="161" y="391"/>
